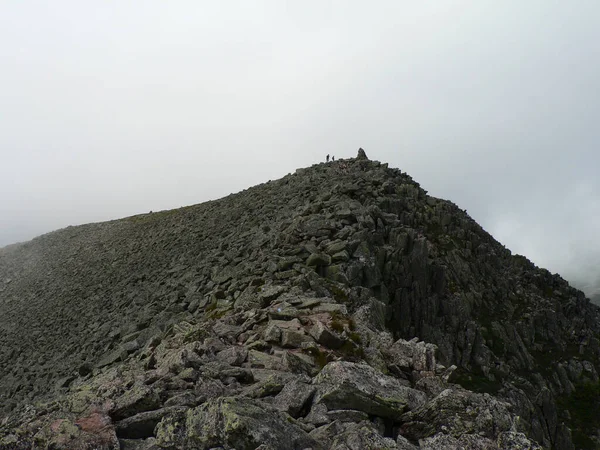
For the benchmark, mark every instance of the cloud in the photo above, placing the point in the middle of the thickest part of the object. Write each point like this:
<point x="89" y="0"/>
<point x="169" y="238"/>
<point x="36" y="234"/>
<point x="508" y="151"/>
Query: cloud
<point x="114" y="109"/>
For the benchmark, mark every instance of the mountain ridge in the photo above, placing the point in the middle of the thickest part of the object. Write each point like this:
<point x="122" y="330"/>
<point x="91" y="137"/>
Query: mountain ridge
<point x="353" y="231"/>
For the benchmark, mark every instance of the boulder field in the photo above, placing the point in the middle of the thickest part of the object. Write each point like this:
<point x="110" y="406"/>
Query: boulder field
<point x="340" y="307"/>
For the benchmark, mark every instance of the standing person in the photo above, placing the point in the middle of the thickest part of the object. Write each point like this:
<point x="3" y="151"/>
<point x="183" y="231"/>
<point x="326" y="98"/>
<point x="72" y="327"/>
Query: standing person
<point x="333" y="158"/>
<point x="327" y="157"/>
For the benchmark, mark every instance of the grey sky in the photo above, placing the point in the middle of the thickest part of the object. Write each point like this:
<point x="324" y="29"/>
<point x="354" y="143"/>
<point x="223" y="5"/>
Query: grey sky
<point x="114" y="108"/>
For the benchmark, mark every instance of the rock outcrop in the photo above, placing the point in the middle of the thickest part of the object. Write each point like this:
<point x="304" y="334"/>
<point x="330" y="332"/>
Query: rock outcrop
<point x="339" y="307"/>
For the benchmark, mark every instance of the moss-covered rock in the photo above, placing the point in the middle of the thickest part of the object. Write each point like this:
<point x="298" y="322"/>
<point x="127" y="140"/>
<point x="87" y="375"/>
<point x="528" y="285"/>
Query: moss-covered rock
<point x="243" y="424"/>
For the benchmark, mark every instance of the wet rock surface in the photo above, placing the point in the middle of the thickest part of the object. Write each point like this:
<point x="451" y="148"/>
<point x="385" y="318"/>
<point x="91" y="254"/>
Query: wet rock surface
<point x="339" y="307"/>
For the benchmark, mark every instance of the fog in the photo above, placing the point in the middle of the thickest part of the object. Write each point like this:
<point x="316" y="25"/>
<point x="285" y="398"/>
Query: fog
<point x="110" y="109"/>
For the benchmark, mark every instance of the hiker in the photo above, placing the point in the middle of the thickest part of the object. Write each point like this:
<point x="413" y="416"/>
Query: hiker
<point x="327" y="158"/>
<point x="333" y="158"/>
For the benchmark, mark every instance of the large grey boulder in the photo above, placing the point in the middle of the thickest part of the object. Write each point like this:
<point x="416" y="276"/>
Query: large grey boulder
<point x="243" y="424"/>
<point x="465" y="442"/>
<point x="294" y="398"/>
<point x="362" y="436"/>
<point x="458" y="412"/>
<point x="347" y="385"/>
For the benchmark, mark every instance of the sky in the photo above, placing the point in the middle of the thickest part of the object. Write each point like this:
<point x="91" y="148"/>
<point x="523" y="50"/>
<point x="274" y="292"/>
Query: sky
<point x="115" y="108"/>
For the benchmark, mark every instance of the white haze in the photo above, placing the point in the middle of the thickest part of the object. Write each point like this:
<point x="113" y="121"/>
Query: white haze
<point x="113" y="108"/>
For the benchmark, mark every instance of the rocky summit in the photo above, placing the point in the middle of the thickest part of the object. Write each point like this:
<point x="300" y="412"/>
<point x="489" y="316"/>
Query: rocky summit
<point x="340" y="307"/>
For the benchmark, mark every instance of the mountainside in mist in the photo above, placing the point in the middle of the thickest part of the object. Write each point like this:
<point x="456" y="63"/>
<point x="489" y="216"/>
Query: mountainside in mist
<point x="338" y="307"/>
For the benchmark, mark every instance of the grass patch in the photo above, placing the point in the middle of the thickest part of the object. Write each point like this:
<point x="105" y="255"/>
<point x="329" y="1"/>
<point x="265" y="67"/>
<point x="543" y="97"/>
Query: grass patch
<point x="337" y="325"/>
<point x="339" y="294"/>
<point x="351" y="351"/>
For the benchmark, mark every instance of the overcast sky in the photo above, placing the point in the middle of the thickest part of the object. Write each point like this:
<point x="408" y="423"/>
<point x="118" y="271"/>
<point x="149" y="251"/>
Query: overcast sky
<point x="113" y="108"/>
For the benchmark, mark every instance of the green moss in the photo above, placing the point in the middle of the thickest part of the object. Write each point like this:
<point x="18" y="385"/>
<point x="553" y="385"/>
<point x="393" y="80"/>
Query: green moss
<point x="355" y="337"/>
<point x="195" y="334"/>
<point x="218" y="313"/>
<point x="351" y="324"/>
<point x="210" y="307"/>
<point x="337" y="325"/>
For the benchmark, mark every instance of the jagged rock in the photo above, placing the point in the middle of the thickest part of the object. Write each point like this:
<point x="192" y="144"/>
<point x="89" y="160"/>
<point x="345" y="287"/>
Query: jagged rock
<point x="511" y="440"/>
<point x="272" y="333"/>
<point x="318" y="259"/>
<point x="294" y="339"/>
<point x="262" y="360"/>
<point x="296" y="364"/>
<point x="464" y="442"/>
<point x="347" y="415"/>
<point x="142" y="425"/>
<point x="159" y="310"/>
<point x="404" y="444"/>
<point x="270" y="382"/>
<point x="340" y="257"/>
<point x="221" y="371"/>
<point x="138" y="444"/>
<point x="294" y="398"/>
<point x="242" y="424"/>
<point x="432" y="386"/>
<point x="175" y="362"/>
<point x="458" y="412"/>
<point x="346" y="385"/>
<point x="185" y="398"/>
<point x="227" y="331"/>
<point x="207" y="389"/>
<point x="138" y="398"/>
<point x="114" y="356"/>
<point x="324" y="336"/>
<point x="325" y="434"/>
<point x="362" y="436"/>
<point x="234" y="356"/>
<point x="318" y="415"/>
<point x="410" y="354"/>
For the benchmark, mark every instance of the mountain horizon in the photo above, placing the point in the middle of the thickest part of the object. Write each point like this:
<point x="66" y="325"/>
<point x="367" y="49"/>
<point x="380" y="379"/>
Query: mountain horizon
<point x="330" y="277"/>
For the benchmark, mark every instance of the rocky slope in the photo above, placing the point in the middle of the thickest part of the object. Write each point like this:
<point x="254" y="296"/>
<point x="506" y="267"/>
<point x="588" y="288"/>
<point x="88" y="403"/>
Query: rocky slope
<point x="339" y="307"/>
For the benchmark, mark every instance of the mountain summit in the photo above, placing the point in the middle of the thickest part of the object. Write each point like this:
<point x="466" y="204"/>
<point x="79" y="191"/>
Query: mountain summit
<point x="338" y="307"/>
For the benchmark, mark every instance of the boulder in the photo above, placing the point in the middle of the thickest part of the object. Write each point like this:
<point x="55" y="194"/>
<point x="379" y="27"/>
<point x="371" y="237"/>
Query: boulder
<point x="362" y="436"/>
<point x="464" y="442"/>
<point x="294" y="398"/>
<point x="318" y="259"/>
<point x="347" y="385"/>
<point x="142" y="425"/>
<point x="325" y="337"/>
<point x="243" y="424"/>
<point x="458" y="412"/>
<point x="234" y="356"/>
<point x="138" y="398"/>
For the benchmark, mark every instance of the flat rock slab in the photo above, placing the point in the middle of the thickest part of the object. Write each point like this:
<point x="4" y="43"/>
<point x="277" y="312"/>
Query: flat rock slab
<point x="347" y="385"/>
<point x="243" y="424"/>
<point x="294" y="398"/>
<point x="142" y="425"/>
<point x="460" y="412"/>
